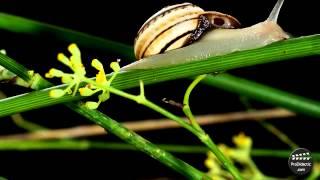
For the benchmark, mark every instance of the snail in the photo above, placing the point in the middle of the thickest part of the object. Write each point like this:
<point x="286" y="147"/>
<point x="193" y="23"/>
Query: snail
<point x="184" y="33"/>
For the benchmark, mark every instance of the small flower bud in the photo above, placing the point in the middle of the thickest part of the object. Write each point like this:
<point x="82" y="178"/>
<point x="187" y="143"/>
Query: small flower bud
<point x="97" y="64"/>
<point x="62" y="58"/>
<point x="91" y="105"/>
<point x="56" y="93"/>
<point x="242" y="141"/>
<point x="54" y="73"/>
<point x="74" y="50"/>
<point x="66" y="79"/>
<point x="115" y="66"/>
<point x="2" y="51"/>
<point x="85" y="91"/>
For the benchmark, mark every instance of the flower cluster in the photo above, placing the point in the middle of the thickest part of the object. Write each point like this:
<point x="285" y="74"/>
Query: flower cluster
<point x="74" y="62"/>
<point x="240" y="154"/>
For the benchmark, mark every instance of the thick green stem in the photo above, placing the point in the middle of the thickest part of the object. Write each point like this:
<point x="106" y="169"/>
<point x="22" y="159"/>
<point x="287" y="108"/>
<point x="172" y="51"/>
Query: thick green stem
<point x="139" y="142"/>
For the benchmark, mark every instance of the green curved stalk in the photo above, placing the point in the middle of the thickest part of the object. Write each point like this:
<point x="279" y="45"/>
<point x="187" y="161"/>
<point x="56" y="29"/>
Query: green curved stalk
<point x="186" y="107"/>
<point x="201" y="133"/>
<point x="284" y="50"/>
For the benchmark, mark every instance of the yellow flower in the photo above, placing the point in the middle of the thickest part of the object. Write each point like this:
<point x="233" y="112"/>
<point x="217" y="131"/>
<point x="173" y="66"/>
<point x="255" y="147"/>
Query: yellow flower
<point x="101" y="76"/>
<point x="115" y="66"/>
<point x="74" y="62"/>
<point x="85" y="91"/>
<point x="63" y="59"/>
<point x="54" y="73"/>
<point x="242" y="141"/>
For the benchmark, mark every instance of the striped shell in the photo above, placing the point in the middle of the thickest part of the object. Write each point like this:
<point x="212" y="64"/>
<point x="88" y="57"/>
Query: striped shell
<point x="176" y="26"/>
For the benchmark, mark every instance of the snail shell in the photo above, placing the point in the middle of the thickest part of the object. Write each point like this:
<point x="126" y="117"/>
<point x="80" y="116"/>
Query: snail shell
<point x="177" y="26"/>
<point x="215" y="42"/>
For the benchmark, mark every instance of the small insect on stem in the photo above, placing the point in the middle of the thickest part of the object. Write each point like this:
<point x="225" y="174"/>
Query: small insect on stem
<point x="173" y="103"/>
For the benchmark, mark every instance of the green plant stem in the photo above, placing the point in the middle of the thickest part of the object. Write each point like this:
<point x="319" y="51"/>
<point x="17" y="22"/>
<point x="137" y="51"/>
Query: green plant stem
<point x="24" y="124"/>
<point x="14" y="67"/>
<point x="265" y="94"/>
<point x="315" y="173"/>
<point x="21" y="122"/>
<point x="279" y="134"/>
<point x="139" y="142"/>
<point x="293" y="48"/>
<point x="204" y="138"/>
<point x="186" y="107"/>
<point x="3" y="178"/>
<point x="23" y="25"/>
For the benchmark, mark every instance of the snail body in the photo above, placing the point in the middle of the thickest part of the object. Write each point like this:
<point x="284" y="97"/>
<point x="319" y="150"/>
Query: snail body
<point x="217" y="41"/>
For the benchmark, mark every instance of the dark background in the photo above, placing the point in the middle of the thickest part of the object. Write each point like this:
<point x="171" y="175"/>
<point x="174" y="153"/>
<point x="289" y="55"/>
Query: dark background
<point x="119" y="21"/>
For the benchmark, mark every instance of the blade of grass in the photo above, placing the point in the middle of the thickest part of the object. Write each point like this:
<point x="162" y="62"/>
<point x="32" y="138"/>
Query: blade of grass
<point x="284" y="50"/>
<point x="23" y="25"/>
<point x="15" y="67"/>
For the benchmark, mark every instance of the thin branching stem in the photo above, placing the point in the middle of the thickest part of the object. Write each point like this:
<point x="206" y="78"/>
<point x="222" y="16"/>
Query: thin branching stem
<point x="203" y="136"/>
<point x="186" y="107"/>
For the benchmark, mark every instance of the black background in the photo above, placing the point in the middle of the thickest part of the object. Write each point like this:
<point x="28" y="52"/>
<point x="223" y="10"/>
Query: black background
<point x="119" y="21"/>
